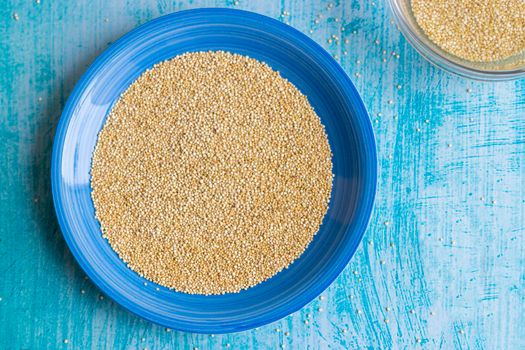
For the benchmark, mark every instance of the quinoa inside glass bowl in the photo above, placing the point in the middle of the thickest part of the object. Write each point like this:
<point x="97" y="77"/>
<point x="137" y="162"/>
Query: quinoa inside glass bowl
<point x="508" y="68"/>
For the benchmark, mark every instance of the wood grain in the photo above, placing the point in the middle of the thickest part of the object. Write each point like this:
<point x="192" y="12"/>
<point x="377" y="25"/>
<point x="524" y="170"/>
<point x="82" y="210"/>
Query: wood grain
<point x="443" y="259"/>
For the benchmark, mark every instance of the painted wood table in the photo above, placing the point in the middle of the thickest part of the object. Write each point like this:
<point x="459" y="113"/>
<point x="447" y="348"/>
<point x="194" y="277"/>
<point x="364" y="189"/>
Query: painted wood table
<point x="441" y="266"/>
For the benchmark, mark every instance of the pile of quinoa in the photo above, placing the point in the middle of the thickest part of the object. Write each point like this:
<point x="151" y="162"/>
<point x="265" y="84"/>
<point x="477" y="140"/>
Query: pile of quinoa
<point x="212" y="173"/>
<point x="475" y="30"/>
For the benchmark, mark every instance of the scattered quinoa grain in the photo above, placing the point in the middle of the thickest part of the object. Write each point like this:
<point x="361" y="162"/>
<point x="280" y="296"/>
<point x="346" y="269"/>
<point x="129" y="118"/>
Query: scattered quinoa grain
<point x="211" y="174"/>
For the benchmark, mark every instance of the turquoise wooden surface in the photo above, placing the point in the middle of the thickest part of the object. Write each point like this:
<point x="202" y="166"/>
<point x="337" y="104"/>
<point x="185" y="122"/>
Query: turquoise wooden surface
<point x="442" y="264"/>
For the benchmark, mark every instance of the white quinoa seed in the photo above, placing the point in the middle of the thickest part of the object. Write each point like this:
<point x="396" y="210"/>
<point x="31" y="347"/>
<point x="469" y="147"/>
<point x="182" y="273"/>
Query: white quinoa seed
<point x="475" y="30"/>
<point x="211" y="174"/>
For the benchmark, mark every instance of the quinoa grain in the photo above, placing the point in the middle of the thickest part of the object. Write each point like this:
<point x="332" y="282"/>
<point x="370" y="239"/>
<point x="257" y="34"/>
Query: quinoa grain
<point x="475" y="30"/>
<point x="211" y="174"/>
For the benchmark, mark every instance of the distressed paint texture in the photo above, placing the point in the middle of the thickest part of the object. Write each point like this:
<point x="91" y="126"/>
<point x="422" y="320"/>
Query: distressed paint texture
<point x="441" y="266"/>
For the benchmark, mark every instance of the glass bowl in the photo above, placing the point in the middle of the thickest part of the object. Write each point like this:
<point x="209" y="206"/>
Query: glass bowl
<point x="506" y="69"/>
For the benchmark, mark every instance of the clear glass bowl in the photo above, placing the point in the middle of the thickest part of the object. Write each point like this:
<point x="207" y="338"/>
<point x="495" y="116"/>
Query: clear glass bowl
<point x="506" y="69"/>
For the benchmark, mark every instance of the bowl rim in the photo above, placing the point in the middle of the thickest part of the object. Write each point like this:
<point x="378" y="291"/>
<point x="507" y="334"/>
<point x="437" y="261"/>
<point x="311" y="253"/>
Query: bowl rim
<point x="363" y="120"/>
<point x="438" y="60"/>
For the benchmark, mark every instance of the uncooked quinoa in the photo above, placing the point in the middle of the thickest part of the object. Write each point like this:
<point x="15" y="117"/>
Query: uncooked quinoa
<point x="475" y="30"/>
<point x="211" y="174"/>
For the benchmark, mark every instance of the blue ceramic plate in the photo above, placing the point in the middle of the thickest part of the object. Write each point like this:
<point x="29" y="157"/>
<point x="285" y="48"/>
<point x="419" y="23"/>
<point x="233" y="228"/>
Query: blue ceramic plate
<point x="301" y="61"/>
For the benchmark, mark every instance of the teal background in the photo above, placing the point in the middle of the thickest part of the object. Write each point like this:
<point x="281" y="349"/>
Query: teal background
<point x="441" y="266"/>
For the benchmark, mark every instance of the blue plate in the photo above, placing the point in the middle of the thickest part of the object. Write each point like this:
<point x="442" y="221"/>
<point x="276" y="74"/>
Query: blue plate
<point x="300" y="60"/>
